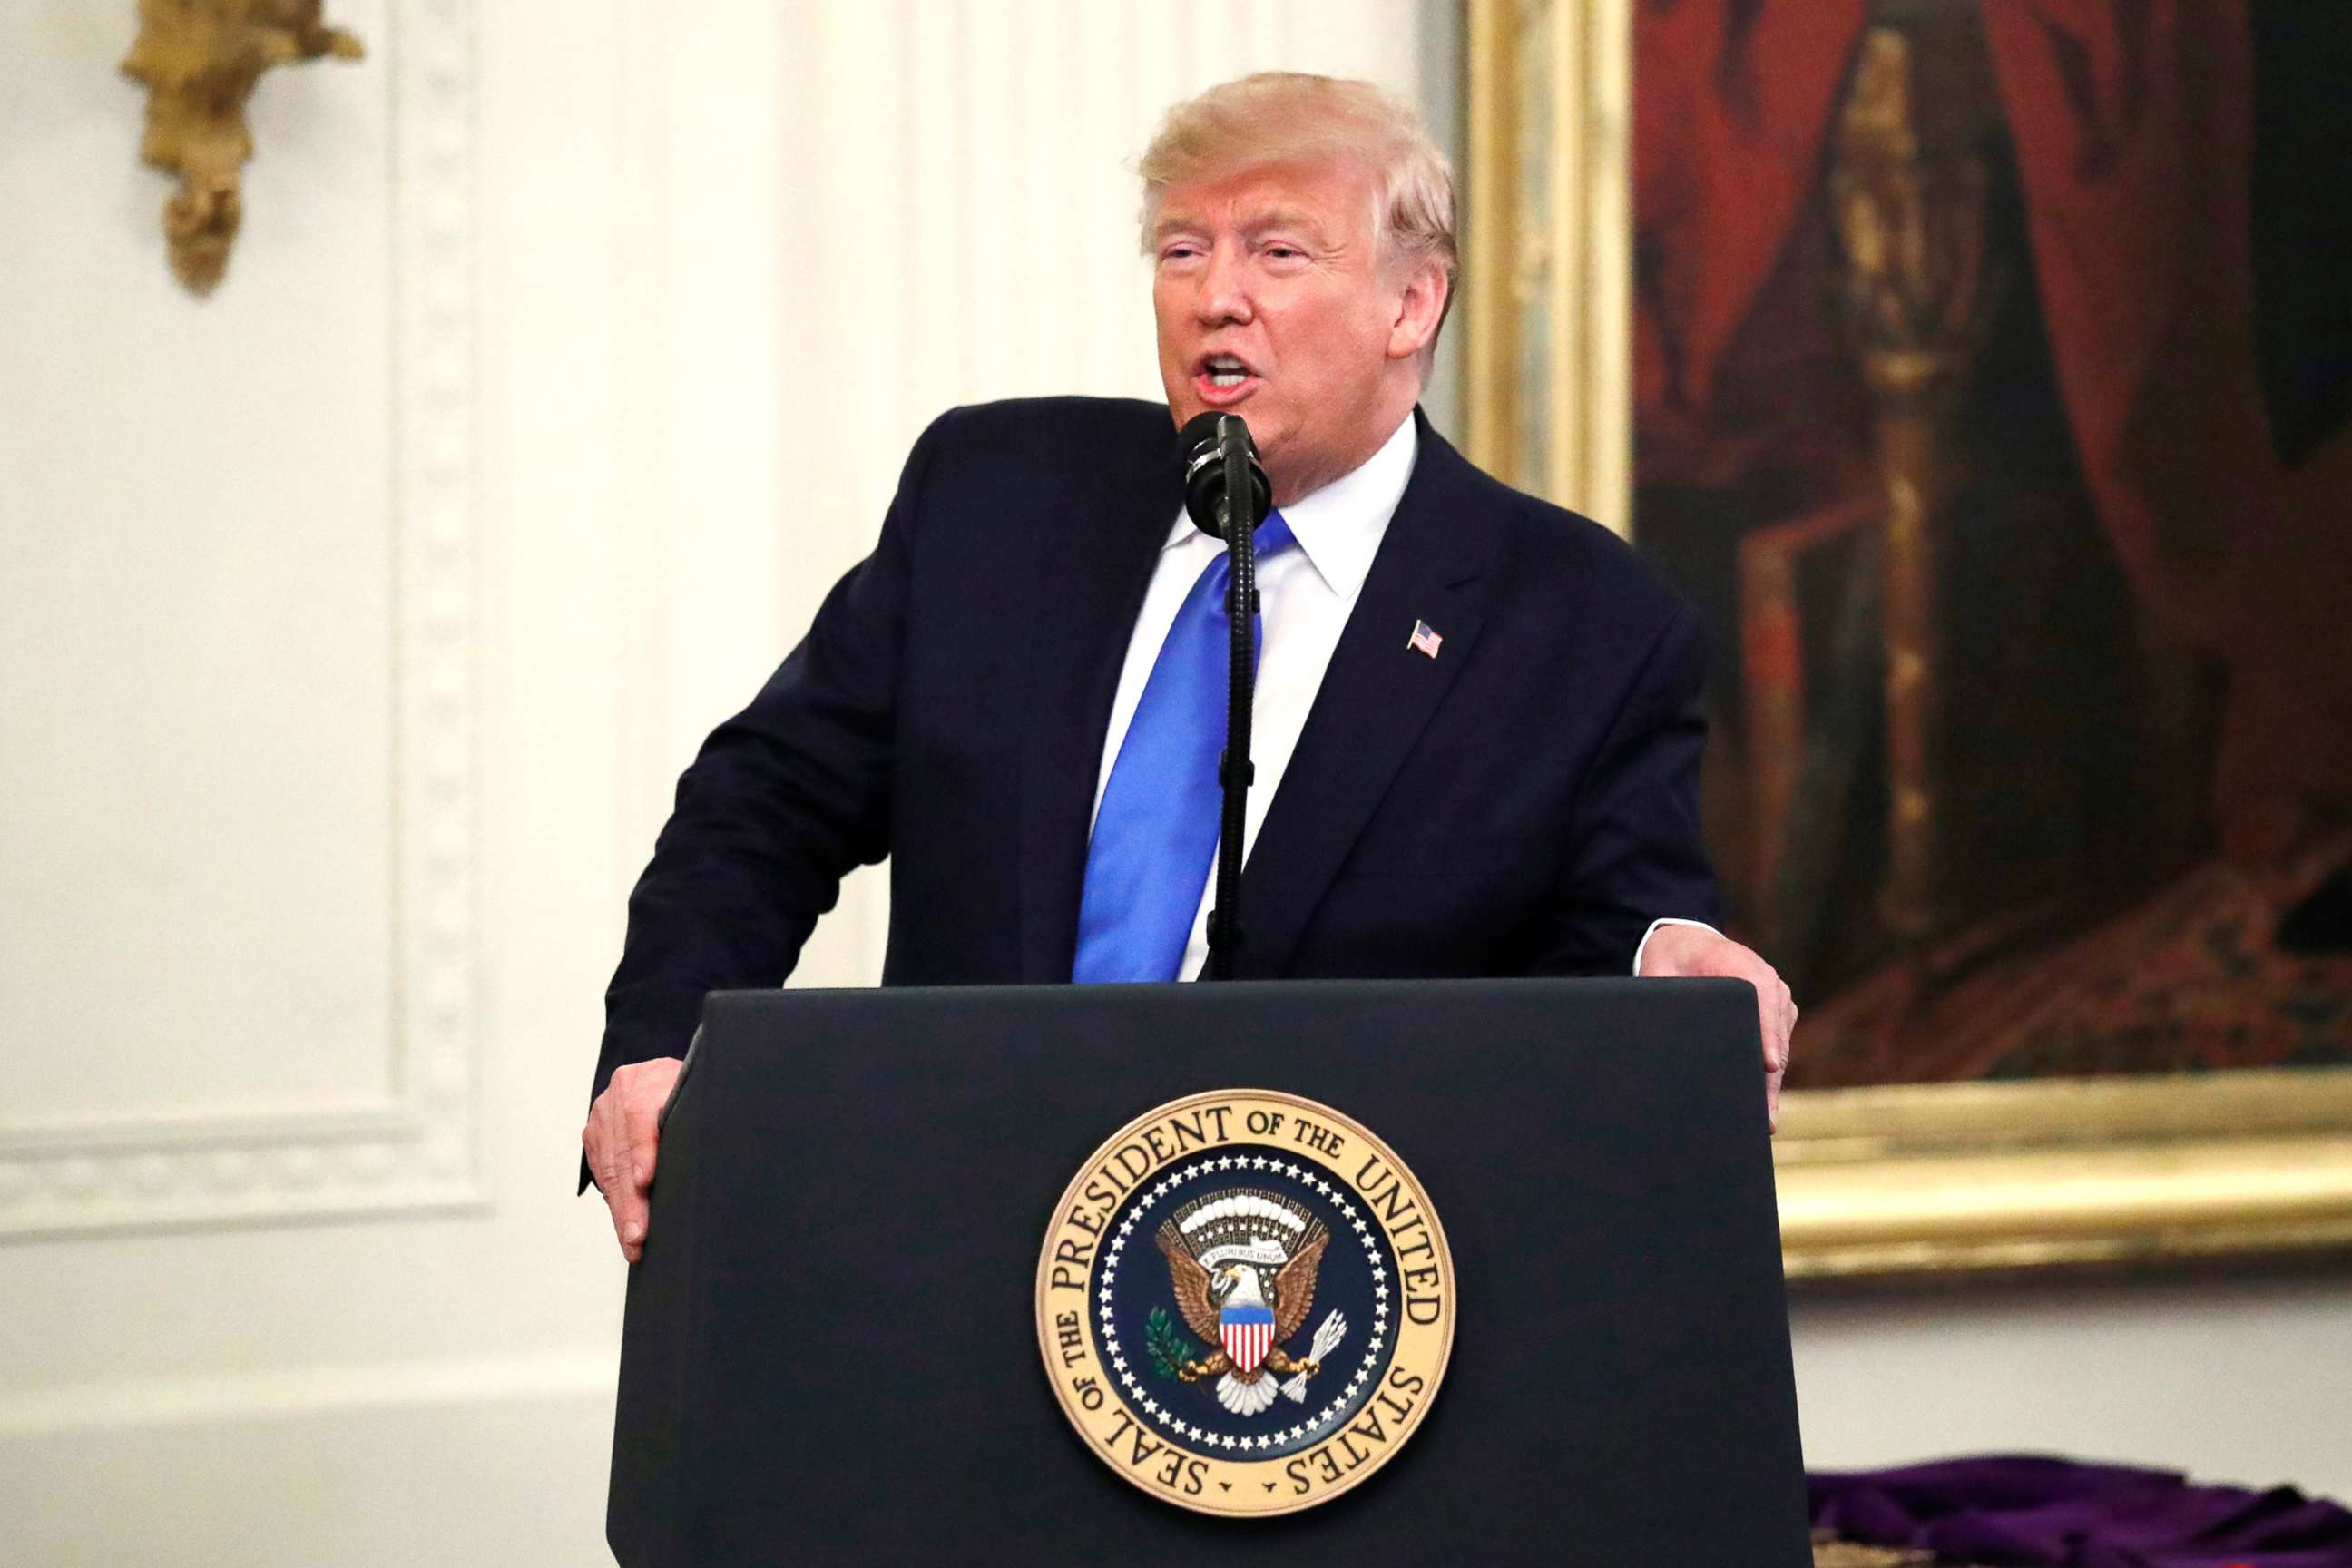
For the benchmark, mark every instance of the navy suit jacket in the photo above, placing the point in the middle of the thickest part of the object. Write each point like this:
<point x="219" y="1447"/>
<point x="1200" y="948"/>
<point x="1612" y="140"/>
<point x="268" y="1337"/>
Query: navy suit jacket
<point x="1525" y="803"/>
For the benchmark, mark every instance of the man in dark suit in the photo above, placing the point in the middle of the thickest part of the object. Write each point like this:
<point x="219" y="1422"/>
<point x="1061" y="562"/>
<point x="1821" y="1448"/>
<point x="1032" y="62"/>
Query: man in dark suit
<point x="1477" y="736"/>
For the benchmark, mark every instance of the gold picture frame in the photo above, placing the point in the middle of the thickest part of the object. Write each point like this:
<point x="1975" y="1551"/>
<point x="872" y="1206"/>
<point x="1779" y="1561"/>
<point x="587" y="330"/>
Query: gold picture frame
<point x="1909" y="1180"/>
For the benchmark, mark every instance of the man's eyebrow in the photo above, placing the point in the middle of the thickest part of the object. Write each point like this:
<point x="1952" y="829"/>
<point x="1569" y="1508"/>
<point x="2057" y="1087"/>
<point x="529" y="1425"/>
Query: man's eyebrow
<point x="1257" y="223"/>
<point x="1283" y="217"/>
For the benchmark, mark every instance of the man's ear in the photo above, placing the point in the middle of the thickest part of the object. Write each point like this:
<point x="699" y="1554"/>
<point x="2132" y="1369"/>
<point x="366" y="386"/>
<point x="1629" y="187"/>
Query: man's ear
<point x="1419" y="308"/>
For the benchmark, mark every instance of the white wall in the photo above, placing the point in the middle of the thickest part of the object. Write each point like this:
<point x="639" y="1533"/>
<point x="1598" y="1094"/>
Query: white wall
<point x="353" y="624"/>
<point x="2246" y="1380"/>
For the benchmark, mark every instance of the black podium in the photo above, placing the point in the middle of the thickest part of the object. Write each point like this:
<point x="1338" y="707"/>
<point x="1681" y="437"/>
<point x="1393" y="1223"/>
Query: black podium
<point x="830" y="1354"/>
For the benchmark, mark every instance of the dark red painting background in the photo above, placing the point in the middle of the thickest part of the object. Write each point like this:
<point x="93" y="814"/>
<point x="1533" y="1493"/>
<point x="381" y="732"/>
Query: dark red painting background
<point x="2144" y="567"/>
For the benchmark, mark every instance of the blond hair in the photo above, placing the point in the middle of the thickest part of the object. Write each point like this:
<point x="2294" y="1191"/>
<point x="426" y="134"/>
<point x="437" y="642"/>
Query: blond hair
<point x="1278" y="117"/>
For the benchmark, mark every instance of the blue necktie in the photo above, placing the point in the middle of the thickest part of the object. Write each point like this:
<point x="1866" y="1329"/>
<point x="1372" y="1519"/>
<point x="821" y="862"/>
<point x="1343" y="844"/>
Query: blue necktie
<point x="1155" y="832"/>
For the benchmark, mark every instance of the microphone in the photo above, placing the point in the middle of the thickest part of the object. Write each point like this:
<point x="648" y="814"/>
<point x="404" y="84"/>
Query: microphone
<point x="1203" y="442"/>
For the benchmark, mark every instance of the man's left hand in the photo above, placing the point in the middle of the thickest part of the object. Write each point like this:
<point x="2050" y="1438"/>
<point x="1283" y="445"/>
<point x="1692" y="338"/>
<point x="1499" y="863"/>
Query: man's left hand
<point x="1693" y="951"/>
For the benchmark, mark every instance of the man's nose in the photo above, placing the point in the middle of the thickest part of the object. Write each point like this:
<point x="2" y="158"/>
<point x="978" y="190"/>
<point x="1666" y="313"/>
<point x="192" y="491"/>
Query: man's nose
<point x="1225" y="294"/>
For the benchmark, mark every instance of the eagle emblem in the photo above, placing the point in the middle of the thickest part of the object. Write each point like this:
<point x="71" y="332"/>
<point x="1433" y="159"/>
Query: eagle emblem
<point x="1242" y="1264"/>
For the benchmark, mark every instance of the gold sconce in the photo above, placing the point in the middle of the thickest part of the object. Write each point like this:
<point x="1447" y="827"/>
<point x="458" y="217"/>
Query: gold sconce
<point x="200" y="60"/>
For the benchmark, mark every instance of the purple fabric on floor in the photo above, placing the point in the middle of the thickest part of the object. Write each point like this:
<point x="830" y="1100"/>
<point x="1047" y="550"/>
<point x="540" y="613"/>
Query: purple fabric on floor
<point x="2054" y="1513"/>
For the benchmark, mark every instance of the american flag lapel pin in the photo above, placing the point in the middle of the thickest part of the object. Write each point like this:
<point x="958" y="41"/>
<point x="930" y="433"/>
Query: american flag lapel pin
<point x="1425" y="639"/>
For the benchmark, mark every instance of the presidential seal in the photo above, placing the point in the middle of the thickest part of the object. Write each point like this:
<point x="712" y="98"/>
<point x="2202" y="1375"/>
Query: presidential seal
<point x="1244" y="1302"/>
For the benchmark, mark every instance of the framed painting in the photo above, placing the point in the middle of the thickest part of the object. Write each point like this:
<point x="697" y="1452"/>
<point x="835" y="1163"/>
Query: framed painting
<point x="1981" y="369"/>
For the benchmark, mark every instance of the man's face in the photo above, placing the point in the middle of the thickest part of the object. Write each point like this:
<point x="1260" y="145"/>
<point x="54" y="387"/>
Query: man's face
<point x="1273" y="304"/>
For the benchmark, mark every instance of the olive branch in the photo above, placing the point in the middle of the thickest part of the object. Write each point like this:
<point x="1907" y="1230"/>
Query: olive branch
<point x="1170" y="1350"/>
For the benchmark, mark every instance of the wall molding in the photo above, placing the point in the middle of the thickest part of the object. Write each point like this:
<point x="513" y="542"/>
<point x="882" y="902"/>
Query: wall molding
<point x="418" y="1150"/>
<point x="282" y="1393"/>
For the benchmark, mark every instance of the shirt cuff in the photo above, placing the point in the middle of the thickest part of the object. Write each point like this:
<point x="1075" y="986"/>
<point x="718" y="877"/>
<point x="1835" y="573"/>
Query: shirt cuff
<point x="1668" y="920"/>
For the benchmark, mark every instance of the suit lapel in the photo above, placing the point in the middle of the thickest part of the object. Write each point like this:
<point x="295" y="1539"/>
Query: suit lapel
<point x="1434" y="564"/>
<point x="1089" y="591"/>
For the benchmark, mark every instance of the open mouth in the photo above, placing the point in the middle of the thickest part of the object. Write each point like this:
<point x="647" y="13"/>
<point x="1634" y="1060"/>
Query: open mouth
<point x="1223" y="378"/>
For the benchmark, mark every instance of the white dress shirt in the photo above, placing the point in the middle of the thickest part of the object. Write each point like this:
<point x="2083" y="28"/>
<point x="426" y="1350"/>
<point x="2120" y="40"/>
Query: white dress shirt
<point x="1304" y="595"/>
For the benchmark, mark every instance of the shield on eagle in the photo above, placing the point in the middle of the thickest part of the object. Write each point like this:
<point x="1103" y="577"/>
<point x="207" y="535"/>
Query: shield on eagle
<point x="1246" y="1330"/>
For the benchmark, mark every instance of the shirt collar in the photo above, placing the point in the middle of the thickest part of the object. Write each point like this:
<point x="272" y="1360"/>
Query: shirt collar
<point x="1340" y="527"/>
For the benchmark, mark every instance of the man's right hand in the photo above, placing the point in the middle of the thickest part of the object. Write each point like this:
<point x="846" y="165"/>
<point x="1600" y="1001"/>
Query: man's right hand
<point x="623" y="1128"/>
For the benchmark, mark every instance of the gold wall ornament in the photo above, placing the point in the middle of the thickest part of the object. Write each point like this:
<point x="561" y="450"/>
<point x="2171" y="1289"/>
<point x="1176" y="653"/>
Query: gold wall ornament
<point x="200" y="60"/>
